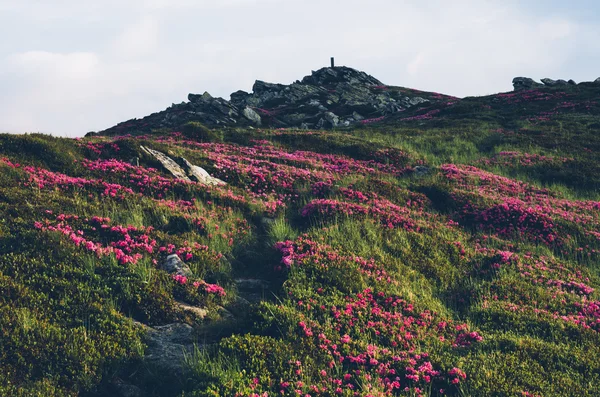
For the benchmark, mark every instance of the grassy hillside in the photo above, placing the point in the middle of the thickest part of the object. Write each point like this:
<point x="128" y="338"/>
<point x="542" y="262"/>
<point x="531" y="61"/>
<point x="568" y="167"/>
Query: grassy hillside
<point x="456" y="252"/>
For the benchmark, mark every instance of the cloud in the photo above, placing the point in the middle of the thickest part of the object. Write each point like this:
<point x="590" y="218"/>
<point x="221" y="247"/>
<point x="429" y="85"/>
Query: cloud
<point x="555" y="29"/>
<point x="415" y="64"/>
<point x="47" y="66"/>
<point x="139" y="39"/>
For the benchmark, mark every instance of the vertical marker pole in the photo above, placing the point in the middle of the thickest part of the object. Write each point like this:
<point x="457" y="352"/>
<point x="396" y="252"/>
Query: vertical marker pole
<point x="332" y="63"/>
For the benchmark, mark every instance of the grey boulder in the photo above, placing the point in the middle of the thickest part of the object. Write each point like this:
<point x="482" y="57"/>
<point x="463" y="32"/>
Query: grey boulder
<point x="199" y="174"/>
<point x="168" y="347"/>
<point x="175" y="266"/>
<point x="252" y="115"/>
<point x="167" y="163"/>
<point x="524" y="83"/>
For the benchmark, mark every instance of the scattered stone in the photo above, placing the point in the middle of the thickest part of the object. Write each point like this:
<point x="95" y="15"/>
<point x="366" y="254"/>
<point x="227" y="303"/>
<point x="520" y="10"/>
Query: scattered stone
<point x="167" y="163"/>
<point x="175" y="266"/>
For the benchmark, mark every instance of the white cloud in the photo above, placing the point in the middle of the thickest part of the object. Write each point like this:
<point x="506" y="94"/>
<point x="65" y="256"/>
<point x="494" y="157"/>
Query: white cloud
<point x="139" y="39"/>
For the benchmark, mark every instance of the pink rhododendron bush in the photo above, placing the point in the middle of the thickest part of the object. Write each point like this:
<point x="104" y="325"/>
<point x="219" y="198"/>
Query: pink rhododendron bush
<point x="396" y="259"/>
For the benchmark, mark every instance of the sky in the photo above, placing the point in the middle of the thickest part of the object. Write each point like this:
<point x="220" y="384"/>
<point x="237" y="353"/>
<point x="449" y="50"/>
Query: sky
<point x="68" y="67"/>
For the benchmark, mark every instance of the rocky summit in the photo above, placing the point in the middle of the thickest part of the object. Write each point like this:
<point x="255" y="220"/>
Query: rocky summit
<point x="329" y="97"/>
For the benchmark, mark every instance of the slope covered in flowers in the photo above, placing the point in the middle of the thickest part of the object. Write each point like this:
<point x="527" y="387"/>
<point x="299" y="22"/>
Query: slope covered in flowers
<point x="400" y="262"/>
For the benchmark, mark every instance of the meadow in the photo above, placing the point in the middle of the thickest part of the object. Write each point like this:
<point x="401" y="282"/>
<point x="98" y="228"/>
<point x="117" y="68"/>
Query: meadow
<point x="455" y="252"/>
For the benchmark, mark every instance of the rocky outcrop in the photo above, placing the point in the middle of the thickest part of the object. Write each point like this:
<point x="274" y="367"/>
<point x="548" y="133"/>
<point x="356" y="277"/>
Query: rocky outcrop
<point x="199" y="174"/>
<point x="328" y="98"/>
<point x="215" y="111"/>
<point x="525" y="83"/>
<point x="186" y="171"/>
<point x="167" y="163"/>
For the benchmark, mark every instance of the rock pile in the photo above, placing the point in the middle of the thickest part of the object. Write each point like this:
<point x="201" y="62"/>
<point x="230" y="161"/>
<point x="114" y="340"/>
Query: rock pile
<point x="329" y="97"/>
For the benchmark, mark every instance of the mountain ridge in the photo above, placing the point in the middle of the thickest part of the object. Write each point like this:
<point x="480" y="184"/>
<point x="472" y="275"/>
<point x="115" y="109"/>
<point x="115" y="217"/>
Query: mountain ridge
<point x="330" y="97"/>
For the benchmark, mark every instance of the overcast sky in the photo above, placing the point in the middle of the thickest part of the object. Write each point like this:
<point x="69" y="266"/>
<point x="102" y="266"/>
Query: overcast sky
<point x="72" y="66"/>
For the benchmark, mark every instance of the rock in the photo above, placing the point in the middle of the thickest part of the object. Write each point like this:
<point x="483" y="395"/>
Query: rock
<point x="252" y="115"/>
<point x="198" y="311"/>
<point x="331" y="118"/>
<point x="239" y="98"/>
<point x="124" y="389"/>
<point x="225" y="314"/>
<point x="524" y="83"/>
<point x="340" y="74"/>
<point x="174" y="265"/>
<point x="416" y="100"/>
<point x="420" y="170"/>
<point x="168" y="345"/>
<point x="199" y="174"/>
<point x="357" y="116"/>
<point x="262" y="86"/>
<point x="167" y="163"/>
<point x="206" y="97"/>
<point x="252" y="284"/>
<point x="554" y="83"/>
